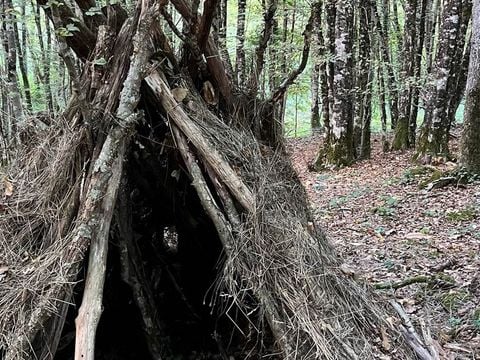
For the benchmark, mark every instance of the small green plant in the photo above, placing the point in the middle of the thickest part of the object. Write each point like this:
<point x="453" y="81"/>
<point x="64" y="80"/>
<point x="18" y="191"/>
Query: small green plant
<point x="467" y="214"/>
<point x="452" y="300"/>
<point x="389" y="264"/>
<point x="388" y="206"/>
<point x="454" y="322"/>
<point x="425" y="230"/>
<point x="338" y="201"/>
<point x="431" y="213"/>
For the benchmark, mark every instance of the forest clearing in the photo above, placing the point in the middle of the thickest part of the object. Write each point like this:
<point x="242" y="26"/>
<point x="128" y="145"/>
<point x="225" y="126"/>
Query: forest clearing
<point x="154" y="204"/>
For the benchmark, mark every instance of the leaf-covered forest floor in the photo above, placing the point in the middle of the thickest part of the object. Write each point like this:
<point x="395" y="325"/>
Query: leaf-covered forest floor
<point x="389" y="229"/>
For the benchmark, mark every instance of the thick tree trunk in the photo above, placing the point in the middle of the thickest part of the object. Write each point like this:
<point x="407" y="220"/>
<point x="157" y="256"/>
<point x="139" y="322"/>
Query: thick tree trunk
<point x="339" y="151"/>
<point x="470" y="149"/>
<point x="434" y="136"/>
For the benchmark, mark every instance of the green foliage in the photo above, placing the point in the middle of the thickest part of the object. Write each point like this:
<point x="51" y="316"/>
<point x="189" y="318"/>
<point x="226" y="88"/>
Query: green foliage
<point x="68" y="30"/>
<point x="387" y="209"/>
<point x="454" y="299"/>
<point x="93" y="11"/>
<point x="476" y="319"/>
<point x="467" y="214"/>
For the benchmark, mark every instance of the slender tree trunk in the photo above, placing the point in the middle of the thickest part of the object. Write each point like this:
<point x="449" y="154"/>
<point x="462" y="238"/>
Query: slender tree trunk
<point x="401" y="139"/>
<point x="45" y="73"/>
<point x="470" y="149"/>
<point x="240" y="65"/>
<point x="331" y="14"/>
<point x="430" y="33"/>
<point x="363" y="106"/>
<point x="21" y="44"/>
<point x="386" y="57"/>
<point x="460" y="63"/>
<point x="11" y="61"/>
<point x="220" y="35"/>
<point x="382" y="102"/>
<point x="317" y="57"/>
<point x="434" y="135"/>
<point x="418" y="72"/>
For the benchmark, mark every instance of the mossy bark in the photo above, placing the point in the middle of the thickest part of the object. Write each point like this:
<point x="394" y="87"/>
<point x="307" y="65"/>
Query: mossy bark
<point x="401" y="140"/>
<point x="434" y="135"/>
<point x="338" y="150"/>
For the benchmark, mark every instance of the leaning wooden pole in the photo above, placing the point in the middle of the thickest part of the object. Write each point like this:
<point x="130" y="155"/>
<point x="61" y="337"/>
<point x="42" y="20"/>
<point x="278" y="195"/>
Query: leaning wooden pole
<point x="109" y="164"/>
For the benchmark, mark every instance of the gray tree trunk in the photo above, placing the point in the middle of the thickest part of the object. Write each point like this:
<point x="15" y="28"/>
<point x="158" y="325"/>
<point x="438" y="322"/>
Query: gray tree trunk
<point x="240" y="54"/>
<point x="339" y="150"/>
<point x="317" y="59"/>
<point x="14" y="96"/>
<point x="363" y="97"/>
<point x="401" y="139"/>
<point x="434" y="135"/>
<point x="470" y="149"/>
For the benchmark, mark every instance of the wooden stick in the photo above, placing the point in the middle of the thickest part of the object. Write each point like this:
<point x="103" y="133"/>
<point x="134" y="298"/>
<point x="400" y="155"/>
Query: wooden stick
<point x="403" y="283"/>
<point x="107" y="173"/>
<point x="89" y="313"/>
<point x="208" y="152"/>
<point x="208" y="202"/>
<point x="410" y="334"/>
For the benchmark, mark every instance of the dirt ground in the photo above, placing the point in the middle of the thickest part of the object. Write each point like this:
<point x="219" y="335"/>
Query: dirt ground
<point x="389" y="229"/>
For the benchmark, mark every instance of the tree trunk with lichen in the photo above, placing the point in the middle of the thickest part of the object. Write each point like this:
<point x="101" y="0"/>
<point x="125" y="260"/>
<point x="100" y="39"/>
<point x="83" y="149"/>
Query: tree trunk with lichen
<point x="339" y="150"/>
<point x="364" y="80"/>
<point x="470" y="143"/>
<point x="434" y="134"/>
<point x="401" y="139"/>
<point x="318" y="54"/>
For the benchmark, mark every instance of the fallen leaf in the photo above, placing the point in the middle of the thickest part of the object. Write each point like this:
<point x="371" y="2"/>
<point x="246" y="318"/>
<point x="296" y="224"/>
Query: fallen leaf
<point x="417" y="236"/>
<point x="8" y="187"/>
<point x="385" y="342"/>
<point x="3" y="272"/>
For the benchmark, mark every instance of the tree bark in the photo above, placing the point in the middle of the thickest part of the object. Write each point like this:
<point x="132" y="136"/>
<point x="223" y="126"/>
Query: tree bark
<point x="401" y="140"/>
<point x="363" y="88"/>
<point x="417" y="73"/>
<point x="21" y="44"/>
<point x="470" y="149"/>
<point x="11" y="61"/>
<point x="240" y="65"/>
<point x="318" y="54"/>
<point x="433" y="140"/>
<point x="339" y="150"/>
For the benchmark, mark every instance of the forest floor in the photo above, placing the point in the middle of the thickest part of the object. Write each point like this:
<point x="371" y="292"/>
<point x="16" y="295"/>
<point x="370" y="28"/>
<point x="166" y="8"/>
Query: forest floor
<point x="389" y="229"/>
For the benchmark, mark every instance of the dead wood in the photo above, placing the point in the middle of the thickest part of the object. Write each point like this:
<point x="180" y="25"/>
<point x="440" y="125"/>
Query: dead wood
<point x="206" y="150"/>
<point x="411" y="335"/>
<point x="108" y="171"/>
